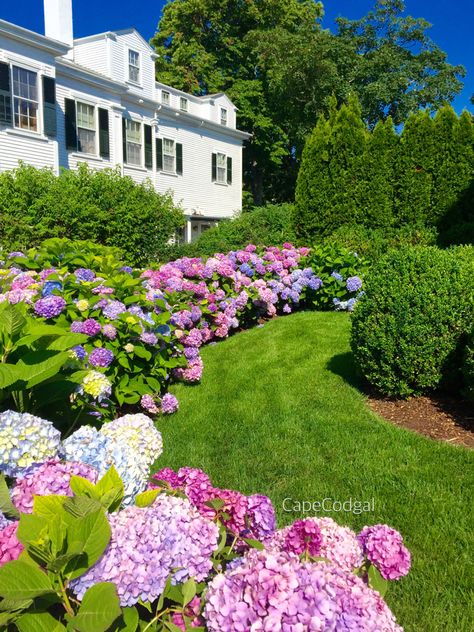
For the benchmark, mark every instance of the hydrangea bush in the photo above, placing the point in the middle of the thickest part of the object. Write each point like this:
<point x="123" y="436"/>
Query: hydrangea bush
<point x="185" y="554"/>
<point x="143" y="329"/>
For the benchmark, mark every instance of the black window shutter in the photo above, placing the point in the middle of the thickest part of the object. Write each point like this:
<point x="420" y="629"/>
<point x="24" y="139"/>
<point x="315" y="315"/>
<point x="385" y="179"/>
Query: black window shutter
<point x="49" y="107"/>
<point x="214" y="167"/>
<point x="148" y="147"/>
<point x="70" y="122"/>
<point x="229" y="170"/>
<point x="124" y="139"/>
<point x="104" y="134"/>
<point x="5" y="95"/>
<point x="159" y="154"/>
<point x="179" y="159"/>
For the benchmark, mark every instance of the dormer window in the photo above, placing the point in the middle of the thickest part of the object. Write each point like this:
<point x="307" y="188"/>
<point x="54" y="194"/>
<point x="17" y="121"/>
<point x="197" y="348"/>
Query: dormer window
<point x="183" y="104"/>
<point x="133" y="66"/>
<point x="223" y="116"/>
<point x="165" y="97"/>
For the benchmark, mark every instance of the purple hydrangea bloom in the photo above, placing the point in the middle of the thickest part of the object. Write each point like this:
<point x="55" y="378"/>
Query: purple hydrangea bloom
<point x="191" y="353"/>
<point x="84" y="274"/>
<point x="76" y="327"/>
<point x="49" y="478"/>
<point x="261" y="517"/>
<point x="126" y="269"/>
<point x="114" y="309"/>
<point x="315" y="283"/>
<point x="269" y="591"/>
<point x="383" y="546"/>
<point x="90" y="327"/>
<point x="150" y="544"/>
<point x="148" y="403"/>
<point x="354" y="284"/>
<point x="109" y="332"/>
<point x="149" y="338"/>
<point x="50" y="307"/>
<point x="169" y="404"/>
<point x="15" y="254"/>
<point x="101" y="357"/>
<point x="79" y="352"/>
<point x="337" y="276"/>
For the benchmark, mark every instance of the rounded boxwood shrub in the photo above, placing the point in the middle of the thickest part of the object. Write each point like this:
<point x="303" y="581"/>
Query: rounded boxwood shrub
<point x="409" y="328"/>
<point x="468" y="368"/>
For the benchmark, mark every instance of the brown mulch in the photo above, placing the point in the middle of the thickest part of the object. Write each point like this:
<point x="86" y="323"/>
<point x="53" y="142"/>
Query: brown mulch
<point x="439" y="417"/>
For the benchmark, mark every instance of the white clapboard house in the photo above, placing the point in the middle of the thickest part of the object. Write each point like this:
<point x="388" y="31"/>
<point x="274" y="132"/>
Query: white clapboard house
<point x="64" y="101"/>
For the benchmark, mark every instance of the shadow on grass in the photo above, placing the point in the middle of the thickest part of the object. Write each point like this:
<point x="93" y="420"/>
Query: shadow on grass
<point x="344" y="366"/>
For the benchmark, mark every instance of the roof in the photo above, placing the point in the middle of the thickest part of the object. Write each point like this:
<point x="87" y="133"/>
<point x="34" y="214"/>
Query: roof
<point x="47" y="44"/>
<point x="99" y="36"/>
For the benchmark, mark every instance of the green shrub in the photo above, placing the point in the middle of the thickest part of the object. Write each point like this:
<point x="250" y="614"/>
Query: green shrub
<point x="374" y="243"/>
<point x="267" y="225"/>
<point x="409" y="327"/>
<point x="102" y="206"/>
<point x="468" y="368"/>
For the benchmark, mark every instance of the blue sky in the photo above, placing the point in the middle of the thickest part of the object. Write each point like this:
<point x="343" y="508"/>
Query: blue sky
<point x="452" y="23"/>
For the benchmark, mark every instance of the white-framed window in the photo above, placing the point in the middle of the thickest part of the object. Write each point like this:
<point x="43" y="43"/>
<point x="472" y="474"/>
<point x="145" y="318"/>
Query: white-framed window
<point x="223" y="116"/>
<point x="86" y="128"/>
<point x="134" y="142"/>
<point x="221" y="172"/>
<point x="169" y="155"/>
<point x="183" y="104"/>
<point x="165" y="97"/>
<point x="134" y="66"/>
<point x="25" y="99"/>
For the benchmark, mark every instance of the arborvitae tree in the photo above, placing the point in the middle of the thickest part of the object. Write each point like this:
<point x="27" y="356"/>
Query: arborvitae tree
<point x="414" y="183"/>
<point x="376" y="199"/>
<point x="314" y="185"/>
<point x="331" y="170"/>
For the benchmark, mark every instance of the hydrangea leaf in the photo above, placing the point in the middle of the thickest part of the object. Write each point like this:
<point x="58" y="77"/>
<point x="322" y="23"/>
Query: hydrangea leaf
<point x="19" y="581"/>
<point x="39" y="622"/>
<point x="6" y="505"/>
<point x="376" y="581"/>
<point x="93" y="533"/>
<point x="189" y="591"/>
<point x="147" y="498"/>
<point x="100" y="607"/>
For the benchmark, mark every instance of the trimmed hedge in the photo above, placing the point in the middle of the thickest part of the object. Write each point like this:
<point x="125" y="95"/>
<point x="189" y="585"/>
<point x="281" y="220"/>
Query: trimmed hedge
<point x="100" y="206"/>
<point x="263" y="226"/>
<point x="409" y="328"/>
<point x="468" y="368"/>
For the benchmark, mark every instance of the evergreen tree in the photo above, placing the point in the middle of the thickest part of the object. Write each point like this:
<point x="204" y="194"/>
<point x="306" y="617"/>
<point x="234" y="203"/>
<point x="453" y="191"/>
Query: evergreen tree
<point x="376" y="198"/>
<point x="414" y="183"/>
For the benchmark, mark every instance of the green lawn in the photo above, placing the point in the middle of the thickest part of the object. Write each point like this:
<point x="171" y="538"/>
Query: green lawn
<point x="278" y="412"/>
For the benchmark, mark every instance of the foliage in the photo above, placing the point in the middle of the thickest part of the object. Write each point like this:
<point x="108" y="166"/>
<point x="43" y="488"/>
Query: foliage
<point x="377" y="179"/>
<point x="468" y="368"/>
<point x="142" y="330"/>
<point x="280" y="68"/>
<point x="409" y="327"/>
<point x="269" y="225"/>
<point x="99" y="205"/>
<point x="32" y="356"/>
<point x="73" y="563"/>
<point x="397" y="68"/>
<point x="374" y="243"/>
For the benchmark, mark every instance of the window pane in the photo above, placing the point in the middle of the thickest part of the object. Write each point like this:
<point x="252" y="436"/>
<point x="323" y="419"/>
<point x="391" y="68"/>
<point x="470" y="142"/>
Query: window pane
<point x="134" y="154"/>
<point x="133" y="58"/>
<point x="86" y="116"/>
<point x="221" y="160"/>
<point x="165" y="98"/>
<point x="134" y="74"/>
<point x="168" y="146"/>
<point x="134" y="132"/>
<point x="223" y="116"/>
<point x="25" y="92"/>
<point x="86" y="141"/>
<point x="183" y="103"/>
<point x="26" y="115"/>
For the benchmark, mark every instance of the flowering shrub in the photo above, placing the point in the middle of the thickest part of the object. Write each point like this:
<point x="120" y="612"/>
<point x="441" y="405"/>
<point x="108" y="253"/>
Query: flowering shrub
<point x="141" y="330"/>
<point x="185" y="554"/>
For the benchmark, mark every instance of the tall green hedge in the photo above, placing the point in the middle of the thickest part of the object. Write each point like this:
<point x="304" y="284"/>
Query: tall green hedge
<point x="101" y="206"/>
<point x="380" y="178"/>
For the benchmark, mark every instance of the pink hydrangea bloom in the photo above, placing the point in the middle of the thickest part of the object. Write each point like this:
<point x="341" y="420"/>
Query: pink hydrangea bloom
<point x="10" y="547"/>
<point x="383" y="546"/>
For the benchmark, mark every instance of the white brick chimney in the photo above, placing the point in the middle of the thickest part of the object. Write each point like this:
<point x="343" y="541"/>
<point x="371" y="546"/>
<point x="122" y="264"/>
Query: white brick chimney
<point x="58" y="22"/>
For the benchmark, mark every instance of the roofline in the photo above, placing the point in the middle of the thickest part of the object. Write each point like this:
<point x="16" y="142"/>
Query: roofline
<point x="66" y="66"/>
<point x="47" y="44"/>
<point x="195" y="97"/>
<point x="113" y="35"/>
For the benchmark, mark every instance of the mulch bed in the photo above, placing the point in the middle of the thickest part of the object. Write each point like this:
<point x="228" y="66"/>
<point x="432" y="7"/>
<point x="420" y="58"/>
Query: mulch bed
<point x="439" y="417"/>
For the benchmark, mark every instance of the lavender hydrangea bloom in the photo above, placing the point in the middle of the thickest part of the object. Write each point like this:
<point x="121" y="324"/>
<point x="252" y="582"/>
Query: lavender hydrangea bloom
<point x="85" y="275"/>
<point x="114" y="309"/>
<point x="4" y="522"/>
<point x="353" y="284"/>
<point x="49" y="478"/>
<point x="50" y="307"/>
<point x="109" y="332"/>
<point x="148" y="545"/>
<point x="270" y="591"/>
<point x="261" y="517"/>
<point x="25" y="440"/>
<point x="90" y="327"/>
<point x="169" y="404"/>
<point x="149" y="338"/>
<point x="383" y="546"/>
<point x="101" y="357"/>
<point x="126" y="269"/>
<point x="337" y="276"/>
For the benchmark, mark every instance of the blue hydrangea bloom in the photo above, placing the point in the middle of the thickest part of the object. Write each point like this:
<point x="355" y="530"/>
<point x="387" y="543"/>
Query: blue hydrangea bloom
<point x="51" y="286"/>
